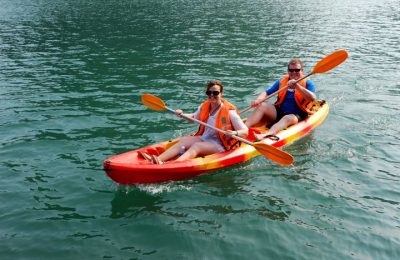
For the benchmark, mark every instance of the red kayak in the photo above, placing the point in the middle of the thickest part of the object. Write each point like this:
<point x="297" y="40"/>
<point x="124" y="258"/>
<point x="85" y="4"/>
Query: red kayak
<point x="131" y="168"/>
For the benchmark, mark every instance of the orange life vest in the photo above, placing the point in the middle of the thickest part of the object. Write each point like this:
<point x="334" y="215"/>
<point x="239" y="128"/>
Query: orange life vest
<point x="300" y="100"/>
<point x="223" y="122"/>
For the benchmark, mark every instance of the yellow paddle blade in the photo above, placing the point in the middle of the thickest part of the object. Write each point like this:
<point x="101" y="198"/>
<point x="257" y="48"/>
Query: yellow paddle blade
<point x="273" y="153"/>
<point x="153" y="102"/>
<point x="330" y="61"/>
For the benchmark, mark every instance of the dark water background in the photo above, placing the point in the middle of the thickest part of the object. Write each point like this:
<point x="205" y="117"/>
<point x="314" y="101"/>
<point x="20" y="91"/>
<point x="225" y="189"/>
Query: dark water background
<point x="71" y="77"/>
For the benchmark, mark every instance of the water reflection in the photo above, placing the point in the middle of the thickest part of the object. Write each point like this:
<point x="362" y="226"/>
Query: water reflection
<point x="195" y="199"/>
<point x="134" y="202"/>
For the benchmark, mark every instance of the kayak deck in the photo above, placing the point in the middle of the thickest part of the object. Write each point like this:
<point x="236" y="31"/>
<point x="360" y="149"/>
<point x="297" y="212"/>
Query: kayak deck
<point x="131" y="168"/>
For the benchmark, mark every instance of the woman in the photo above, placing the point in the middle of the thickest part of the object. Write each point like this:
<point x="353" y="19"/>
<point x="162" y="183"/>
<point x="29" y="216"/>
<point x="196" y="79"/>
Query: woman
<point x="215" y="111"/>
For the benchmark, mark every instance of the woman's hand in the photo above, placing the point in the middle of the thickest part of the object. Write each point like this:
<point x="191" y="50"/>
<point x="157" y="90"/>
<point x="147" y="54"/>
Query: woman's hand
<point x="231" y="132"/>
<point x="178" y="112"/>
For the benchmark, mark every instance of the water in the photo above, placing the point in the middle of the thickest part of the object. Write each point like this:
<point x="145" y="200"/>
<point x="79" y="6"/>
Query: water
<point x="71" y="77"/>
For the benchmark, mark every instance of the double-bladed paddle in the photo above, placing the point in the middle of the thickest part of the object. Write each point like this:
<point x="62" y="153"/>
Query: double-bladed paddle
<point x="269" y="151"/>
<point x="324" y="65"/>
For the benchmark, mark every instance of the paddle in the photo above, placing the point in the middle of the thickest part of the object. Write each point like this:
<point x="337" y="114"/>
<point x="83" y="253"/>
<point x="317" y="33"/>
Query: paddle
<point x="324" y="65"/>
<point x="269" y="151"/>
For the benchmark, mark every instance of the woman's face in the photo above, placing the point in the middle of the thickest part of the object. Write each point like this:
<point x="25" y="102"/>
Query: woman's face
<point x="214" y="93"/>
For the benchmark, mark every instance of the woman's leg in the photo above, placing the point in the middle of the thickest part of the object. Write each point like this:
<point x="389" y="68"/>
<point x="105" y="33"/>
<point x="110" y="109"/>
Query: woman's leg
<point x="173" y="151"/>
<point x="200" y="149"/>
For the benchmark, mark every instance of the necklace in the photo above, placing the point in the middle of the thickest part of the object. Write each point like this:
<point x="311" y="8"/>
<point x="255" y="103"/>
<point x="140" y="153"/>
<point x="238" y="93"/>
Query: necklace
<point x="215" y="109"/>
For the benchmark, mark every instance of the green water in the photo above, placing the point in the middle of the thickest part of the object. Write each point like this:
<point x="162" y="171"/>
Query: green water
<point x="71" y="77"/>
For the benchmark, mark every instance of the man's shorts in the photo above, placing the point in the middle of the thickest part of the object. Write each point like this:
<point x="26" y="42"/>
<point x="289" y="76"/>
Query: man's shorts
<point x="280" y="114"/>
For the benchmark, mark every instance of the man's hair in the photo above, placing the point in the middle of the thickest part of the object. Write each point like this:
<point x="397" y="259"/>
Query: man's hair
<point x="295" y="61"/>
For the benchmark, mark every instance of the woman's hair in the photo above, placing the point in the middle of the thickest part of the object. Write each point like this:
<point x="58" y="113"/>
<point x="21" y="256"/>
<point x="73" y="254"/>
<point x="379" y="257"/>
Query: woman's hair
<point x="295" y="61"/>
<point x="215" y="82"/>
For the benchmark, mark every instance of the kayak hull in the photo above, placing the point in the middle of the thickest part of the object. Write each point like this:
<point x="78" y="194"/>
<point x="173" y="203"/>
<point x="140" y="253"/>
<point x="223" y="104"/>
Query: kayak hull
<point x="130" y="168"/>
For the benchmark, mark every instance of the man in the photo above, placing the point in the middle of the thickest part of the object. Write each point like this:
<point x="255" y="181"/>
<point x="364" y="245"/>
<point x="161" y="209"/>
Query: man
<point x="291" y="106"/>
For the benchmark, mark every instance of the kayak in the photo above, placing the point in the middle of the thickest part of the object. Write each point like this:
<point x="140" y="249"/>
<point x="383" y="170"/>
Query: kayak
<point x="131" y="168"/>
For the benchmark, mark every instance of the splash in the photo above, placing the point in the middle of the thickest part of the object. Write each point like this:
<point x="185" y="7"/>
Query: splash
<point x="158" y="188"/>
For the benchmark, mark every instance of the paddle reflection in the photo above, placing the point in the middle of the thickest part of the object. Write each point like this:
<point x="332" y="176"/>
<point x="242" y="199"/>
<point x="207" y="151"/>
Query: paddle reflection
<point x="233" y="190"/>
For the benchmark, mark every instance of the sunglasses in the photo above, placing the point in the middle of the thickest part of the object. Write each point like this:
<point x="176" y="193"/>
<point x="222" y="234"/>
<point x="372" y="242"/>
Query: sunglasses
<point x="215" y="93"/>
<point x="294" y="70"/>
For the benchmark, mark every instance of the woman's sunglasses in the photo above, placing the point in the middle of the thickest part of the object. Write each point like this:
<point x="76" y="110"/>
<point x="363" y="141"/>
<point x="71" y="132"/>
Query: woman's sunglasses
<point x="215" y="93"/>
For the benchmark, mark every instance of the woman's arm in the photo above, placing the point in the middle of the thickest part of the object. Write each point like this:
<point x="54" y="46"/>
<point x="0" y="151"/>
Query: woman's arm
<point x="195" y="115"/>
<point x="240" y="129"/>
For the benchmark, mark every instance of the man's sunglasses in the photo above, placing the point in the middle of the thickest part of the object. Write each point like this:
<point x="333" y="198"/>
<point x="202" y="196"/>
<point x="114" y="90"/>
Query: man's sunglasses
<point x="215" y="93"/>
<point x="294" y="70"/>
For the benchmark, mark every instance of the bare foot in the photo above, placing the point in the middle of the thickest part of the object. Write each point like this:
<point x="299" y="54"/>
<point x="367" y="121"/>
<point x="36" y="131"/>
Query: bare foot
<point x="146" y="156"/>
<point x="259" y="137"/>
<point x="156" y="160"/>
